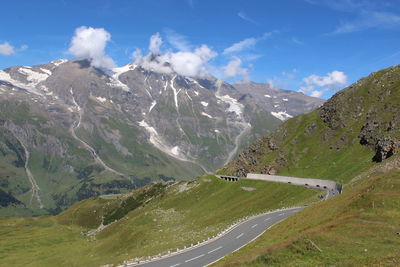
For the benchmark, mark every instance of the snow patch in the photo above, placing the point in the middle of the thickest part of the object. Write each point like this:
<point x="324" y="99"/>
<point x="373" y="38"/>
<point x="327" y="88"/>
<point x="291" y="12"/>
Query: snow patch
<point x="234" y="106"/>
<point x="217" y="131"/>
<point x="206" y="115"/>
<point x="285" y="99"/>
<point x="175" y="92"/>
<point x="101" y="99"/>
<point x="59" y="62"/>
<point x="119" y="70"/>
<point x="46" y="71"/>
<point x="205" y="104"/>
<point x="175" y="150"/>
<point x="267" y="96"/>
<point x="275" y="106"/>
<point x="187" y="94"/>
<point x="195" y="82"/>
<point x="159" y="143"/>
<point x="282" y="115"/>
<point x="33" y="77"/>
<point x="153" y="104"/>
<point x="197" y="93"/>
<point x="115" y="82"/>
<point x="30" y="87"/>
<point x="44" y="88"/>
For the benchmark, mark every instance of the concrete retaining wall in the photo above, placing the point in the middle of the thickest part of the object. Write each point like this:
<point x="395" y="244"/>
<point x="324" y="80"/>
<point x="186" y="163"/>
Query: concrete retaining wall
<point x="326" y="184"/>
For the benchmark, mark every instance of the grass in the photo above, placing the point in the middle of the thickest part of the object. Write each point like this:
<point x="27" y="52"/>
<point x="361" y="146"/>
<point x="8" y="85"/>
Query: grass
<point x="357" y="228"/>
<point x="168" y="216"/>
<point x="326" y="143"/>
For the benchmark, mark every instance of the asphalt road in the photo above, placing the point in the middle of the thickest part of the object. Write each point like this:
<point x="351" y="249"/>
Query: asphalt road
<point x="211" y="252"/>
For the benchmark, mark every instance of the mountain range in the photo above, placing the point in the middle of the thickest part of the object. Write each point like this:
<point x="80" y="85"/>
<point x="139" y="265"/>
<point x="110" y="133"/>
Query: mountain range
<point x="70" y="131"/>
<point x="353" y="138"/>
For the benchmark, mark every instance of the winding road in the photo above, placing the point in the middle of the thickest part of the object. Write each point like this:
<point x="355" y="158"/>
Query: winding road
<point x="233" y="240"/>
<point x="242" y="234"/>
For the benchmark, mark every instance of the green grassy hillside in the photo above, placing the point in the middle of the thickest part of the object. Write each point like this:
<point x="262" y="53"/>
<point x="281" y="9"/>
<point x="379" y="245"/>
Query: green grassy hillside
<point x="355" y="128"/>
<point x="354" y="138"/>
<point x="148" y="221"/>
<point x="357" y="228"/>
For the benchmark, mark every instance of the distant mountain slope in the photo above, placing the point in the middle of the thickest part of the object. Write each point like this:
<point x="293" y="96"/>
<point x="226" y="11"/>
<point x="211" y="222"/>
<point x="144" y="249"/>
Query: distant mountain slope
<point x="283" y="104"/>
<point x="356" y="127"/>
<point x="71" y="131"/>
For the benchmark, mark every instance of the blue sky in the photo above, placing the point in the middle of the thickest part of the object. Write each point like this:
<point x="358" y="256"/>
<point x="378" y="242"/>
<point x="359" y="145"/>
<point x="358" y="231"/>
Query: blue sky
<point x="314" y="46"/>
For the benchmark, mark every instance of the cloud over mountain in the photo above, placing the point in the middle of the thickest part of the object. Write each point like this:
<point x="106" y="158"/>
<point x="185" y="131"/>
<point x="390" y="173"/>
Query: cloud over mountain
<point x="91" y="43"/>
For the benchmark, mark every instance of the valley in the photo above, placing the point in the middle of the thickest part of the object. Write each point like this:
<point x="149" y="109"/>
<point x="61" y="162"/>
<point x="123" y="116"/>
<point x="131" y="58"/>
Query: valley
<point x="90" y="133"/>
<point x="164" y="216"/>
<point x="192" y="133"/>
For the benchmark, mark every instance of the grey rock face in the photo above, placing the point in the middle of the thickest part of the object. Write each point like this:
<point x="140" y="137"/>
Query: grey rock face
<point x="90" y="131"/>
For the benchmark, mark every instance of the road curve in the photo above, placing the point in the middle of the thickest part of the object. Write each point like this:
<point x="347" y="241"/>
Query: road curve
<point x="213" y="251"/>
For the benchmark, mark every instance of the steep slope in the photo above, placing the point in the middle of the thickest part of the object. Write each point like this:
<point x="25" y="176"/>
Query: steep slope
<point x="358" y="228"/>
<point x="70" y="131"/>
<point x="147" y="221"/>
<point x="353" y="138"/>
<point x="355" y="128"/>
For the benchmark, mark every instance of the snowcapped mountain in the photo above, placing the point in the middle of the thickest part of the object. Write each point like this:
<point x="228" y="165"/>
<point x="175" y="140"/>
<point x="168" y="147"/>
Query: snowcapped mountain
<point x="283" y="104"/>
<point x="71" y="131"/>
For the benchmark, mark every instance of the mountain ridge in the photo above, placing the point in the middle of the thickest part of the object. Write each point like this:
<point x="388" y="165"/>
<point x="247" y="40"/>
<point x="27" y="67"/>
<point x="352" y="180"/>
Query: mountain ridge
<point x="106" y="132"/>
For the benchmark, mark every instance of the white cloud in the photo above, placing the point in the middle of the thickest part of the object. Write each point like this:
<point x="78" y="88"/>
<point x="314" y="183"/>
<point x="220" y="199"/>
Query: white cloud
<point x="297" y="41"/>
<point x="369" y="19"/>
<point x="244" y="16"/>
<point x="137" y="54"/>
<point x="284" y="80"/>
<point x="6" y="49"/>
<point x="317" y="86"/>
<point x="333" y="78"/>
<point x="90" y="43"/>
<point x="155" y="44"/>
<point x="234" y="68"/>
<point x="187" y="63"/>
<point x="240" y="46"/>
<point x="317" y="93"/>
<point x="23" y="47"/>
<point x="177" y="40"/>
<point x="246" y="43"/>
<point x="366" y="14"/>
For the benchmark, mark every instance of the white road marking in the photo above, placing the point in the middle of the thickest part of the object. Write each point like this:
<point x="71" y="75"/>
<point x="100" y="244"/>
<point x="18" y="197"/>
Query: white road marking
<point x="254" y="225"/>
<point x="267" y="219"/>
<point x="195" y="258"/>
<point x="239" y="236"/>
<point x="211" y="251"/>
<point x="175" y="265"/>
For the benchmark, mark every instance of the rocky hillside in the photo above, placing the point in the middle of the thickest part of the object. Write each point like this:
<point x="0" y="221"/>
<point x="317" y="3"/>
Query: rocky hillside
<point x="283" y="104"/>
<point x="70" y="131"/>
<point x="356" y="127"/>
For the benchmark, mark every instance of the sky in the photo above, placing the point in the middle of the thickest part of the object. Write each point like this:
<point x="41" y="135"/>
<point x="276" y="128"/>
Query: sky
<point x="314" y="46"/>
